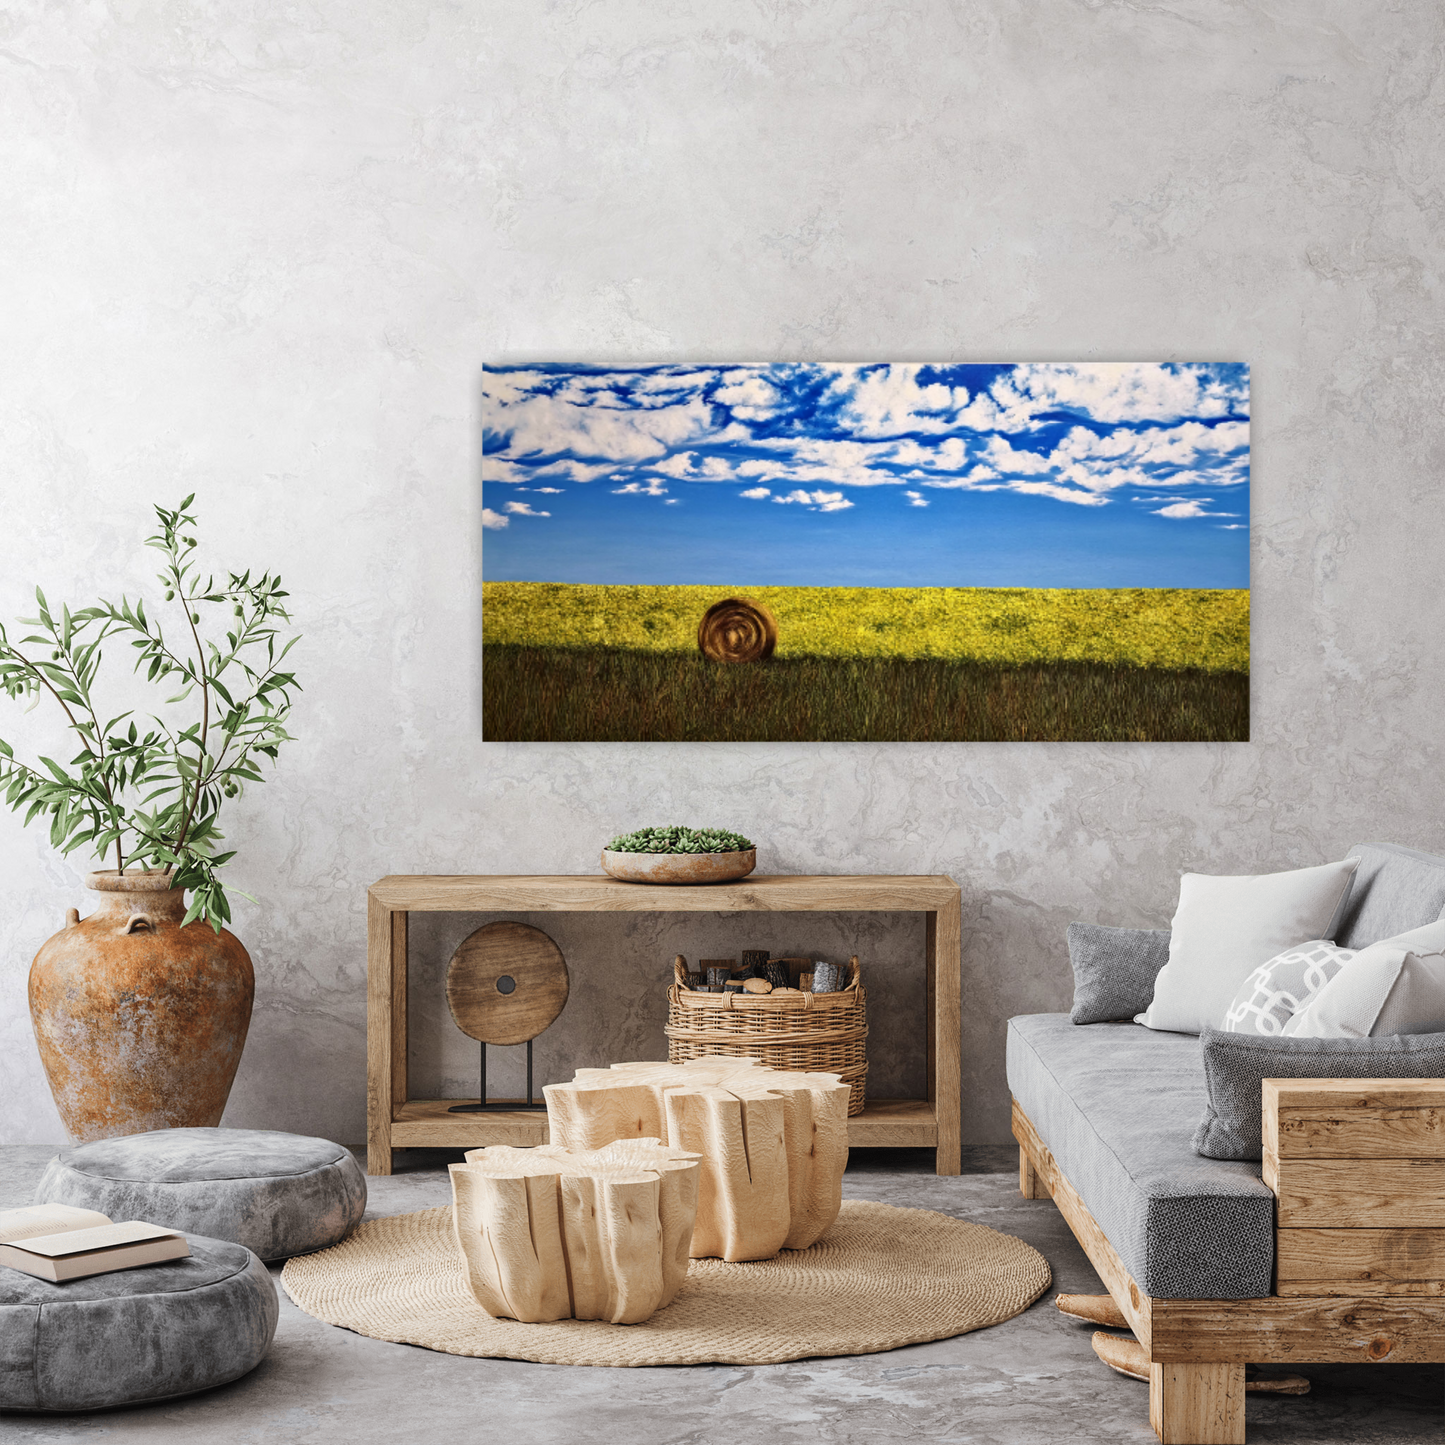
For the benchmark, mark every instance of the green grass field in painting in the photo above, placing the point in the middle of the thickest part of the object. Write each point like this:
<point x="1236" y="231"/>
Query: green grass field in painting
<point x="619" y="663"/>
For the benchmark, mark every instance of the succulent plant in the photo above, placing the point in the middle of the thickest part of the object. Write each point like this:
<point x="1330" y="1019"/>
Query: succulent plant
<point x="679" y="840"/>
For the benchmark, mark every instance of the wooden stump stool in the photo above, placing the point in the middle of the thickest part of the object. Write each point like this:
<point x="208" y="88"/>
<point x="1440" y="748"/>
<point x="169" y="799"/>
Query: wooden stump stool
<point x="549" y="1234"/>
<point x="773" y="1143"/>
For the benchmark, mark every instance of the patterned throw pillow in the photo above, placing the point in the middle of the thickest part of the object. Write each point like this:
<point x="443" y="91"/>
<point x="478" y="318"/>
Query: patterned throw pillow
<point x="1279" y="989"/>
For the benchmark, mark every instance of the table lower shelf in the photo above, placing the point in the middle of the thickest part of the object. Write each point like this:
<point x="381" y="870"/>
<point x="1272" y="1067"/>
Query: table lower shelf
<point x="427" y="1123"/>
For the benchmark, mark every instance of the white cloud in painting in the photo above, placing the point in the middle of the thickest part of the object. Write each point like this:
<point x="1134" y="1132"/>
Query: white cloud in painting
<point x="499" y="469"/>
<point x="690" y="467"/>
<point x="1060" y="494"/>
<point x="523" y="509"/>
<point x="505" y="387"/>
<point x="1008" y="460"/>
<point x="1184" y="455"/>
<point x="546" y="425"/>
<point x="819" y="501"/>
<point x="549" y="491"/>
<point x="680" y="465"/>
<point x="888" y="400"/>
<point x="835" y="463"/>
<point x="670" y="502"/>
<point x="747" y="395"/>
<point x="979" y="479"/>
<point x="1081" y="433"/>
<point x="1118" y="391"/>
<point x="674" y="381"/>
<point x="949" y="455"/>
<point x="493" y="521"/>
<point x="1194" y="508"/>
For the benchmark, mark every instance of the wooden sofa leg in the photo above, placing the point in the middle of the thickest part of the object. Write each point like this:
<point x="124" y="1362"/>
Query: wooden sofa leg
<point x="1031" y="1184"/>
<point x="1197" y="1404"/>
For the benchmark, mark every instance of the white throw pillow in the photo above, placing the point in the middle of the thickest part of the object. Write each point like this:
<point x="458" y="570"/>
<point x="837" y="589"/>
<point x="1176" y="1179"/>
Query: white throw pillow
<point x="1279" y="989"/>
<point x="1396" y="986"/>
<point x="1225" y="928"/>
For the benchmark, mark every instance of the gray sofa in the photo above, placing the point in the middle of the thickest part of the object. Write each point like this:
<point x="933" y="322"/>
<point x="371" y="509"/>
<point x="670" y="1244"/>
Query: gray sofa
<point x="1325" y="1251"/>
<point x="1117" y="1104"/>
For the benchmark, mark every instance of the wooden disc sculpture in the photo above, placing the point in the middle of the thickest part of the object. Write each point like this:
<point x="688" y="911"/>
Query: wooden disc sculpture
<point x="737" y="630"/>
<point x="549" y="1234"/>
<point x="506" y="983"/>
<point x="773" y="1143"/>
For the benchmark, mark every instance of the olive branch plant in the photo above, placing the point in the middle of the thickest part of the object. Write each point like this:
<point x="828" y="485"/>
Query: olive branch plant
<point x="152" y="792"/>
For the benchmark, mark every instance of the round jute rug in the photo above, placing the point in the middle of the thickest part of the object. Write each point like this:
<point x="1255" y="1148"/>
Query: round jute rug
<point x="880" y="1278"/>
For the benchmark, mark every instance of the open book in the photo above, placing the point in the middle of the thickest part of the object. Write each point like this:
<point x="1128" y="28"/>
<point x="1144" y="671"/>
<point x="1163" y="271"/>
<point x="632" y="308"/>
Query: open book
<point x="59" y="1242"/>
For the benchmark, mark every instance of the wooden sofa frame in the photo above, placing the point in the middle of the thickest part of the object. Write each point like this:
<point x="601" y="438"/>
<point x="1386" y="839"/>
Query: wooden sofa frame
<point x="1358" y="1171"/>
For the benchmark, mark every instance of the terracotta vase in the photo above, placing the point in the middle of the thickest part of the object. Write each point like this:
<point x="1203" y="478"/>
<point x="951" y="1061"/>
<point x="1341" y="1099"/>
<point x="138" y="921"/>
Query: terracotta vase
<point x="140" y="1022"/>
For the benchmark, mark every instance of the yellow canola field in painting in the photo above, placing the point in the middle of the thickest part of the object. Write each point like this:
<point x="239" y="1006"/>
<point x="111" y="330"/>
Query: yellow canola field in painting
<point x="1171" y="628"/>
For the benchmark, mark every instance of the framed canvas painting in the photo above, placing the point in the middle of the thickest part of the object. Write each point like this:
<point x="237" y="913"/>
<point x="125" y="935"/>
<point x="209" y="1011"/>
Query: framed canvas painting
<point x="812" y="552"/>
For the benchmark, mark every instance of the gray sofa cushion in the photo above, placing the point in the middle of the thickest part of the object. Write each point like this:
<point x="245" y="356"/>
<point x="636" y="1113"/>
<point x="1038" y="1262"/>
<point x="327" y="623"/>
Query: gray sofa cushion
<point x="1116" y="1104"/>
<point x="1396" y="889"/>
<point x="137" y="1335"/>
<point x="1114" y="970"/>
<point x="1236" y="1066"/>
<point x="277" y="1194"/>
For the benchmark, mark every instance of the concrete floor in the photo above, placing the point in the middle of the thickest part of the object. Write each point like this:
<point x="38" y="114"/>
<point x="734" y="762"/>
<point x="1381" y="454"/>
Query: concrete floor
<point x="1032" y="1379"/>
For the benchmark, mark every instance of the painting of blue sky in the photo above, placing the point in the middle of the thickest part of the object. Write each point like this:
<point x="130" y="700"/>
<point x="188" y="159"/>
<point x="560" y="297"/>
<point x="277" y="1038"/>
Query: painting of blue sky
<point x="1040" y="475"/>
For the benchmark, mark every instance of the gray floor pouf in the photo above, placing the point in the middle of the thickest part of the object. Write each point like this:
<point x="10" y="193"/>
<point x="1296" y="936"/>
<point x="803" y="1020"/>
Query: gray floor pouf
<point x="137" y="1335"/>
<point x="278" y="1194"/>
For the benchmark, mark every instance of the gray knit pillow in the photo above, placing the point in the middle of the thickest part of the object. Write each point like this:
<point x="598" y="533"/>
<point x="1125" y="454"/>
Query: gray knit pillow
<point x="1114" y="970"/>
<point x="1236" y="1066"/>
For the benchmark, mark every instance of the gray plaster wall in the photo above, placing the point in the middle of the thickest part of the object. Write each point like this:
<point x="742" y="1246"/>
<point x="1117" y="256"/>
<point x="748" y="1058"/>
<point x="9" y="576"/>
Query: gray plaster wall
<point x="262" y="252"/>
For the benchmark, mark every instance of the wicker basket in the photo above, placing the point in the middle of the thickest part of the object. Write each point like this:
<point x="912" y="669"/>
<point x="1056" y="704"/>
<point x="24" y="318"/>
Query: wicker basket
<point x="807" y="1033"/>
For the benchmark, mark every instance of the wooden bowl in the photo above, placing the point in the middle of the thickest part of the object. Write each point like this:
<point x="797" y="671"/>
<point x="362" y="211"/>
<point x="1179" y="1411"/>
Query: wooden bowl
<point x="679" y="867"/>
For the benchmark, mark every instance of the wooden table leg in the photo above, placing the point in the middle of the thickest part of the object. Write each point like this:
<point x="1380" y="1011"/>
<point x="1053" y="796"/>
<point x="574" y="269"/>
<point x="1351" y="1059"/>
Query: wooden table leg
<point x="945" y="1027"/>
<point x="398" y="1010"/>
<point x="1032" y="1184"/>
<point x="1197" y="1404"/>
<point x="380" y="983"/>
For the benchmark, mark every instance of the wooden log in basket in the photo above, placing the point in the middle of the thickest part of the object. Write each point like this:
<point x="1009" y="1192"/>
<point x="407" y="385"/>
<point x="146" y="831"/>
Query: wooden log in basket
<point x="549" y="1234"/>
<point x="773" y="1143"/>
<point x="776" y="973"/>
<point x="752" y="963"/>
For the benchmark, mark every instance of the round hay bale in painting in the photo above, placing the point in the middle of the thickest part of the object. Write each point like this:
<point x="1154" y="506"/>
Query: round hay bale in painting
<point x="737" y="630"/>
<point x="882" y="1277"/>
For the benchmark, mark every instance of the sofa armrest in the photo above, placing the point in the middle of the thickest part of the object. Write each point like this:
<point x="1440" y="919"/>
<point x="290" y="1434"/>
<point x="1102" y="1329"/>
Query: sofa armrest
<point x="1357" y="1167"/>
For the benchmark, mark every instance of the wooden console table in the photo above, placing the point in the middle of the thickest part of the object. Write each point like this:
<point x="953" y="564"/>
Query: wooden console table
<point x="396" y="1121"/>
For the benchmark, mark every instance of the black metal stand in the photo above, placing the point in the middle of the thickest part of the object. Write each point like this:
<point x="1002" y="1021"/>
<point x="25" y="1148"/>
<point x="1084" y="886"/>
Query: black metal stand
<point x="486" y="1108"/>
